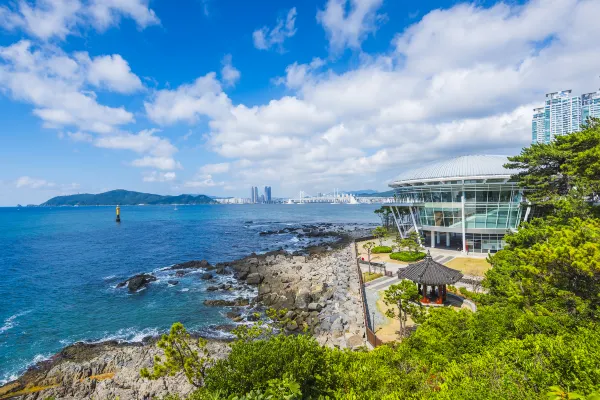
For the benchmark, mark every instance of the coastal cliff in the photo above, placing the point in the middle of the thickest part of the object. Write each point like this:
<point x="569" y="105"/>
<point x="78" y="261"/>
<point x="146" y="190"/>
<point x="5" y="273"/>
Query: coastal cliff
<point x="320" y="292"/>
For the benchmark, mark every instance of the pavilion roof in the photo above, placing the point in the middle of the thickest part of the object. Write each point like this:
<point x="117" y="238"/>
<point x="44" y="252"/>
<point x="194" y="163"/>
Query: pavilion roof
<point x="430" y="272"/>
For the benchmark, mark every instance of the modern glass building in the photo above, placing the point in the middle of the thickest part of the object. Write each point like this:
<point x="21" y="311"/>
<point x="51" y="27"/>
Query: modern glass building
<point x="466" y="203"/>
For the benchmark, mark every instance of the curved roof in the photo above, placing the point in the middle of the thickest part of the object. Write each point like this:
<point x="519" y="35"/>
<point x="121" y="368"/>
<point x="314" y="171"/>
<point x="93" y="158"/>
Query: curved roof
<point x="430" y="272"/>
<point x="459" y="167"/>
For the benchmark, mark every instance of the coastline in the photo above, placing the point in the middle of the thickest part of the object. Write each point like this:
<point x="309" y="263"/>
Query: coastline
<point x="315" y="288"/>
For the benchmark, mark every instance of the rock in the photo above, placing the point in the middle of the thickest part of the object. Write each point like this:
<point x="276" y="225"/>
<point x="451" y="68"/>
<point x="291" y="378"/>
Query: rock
<point x="212" y="288"/>
<point x="233" y="314"/>
<point x="291" y="326"/>
<point x="355" y="341"/>
<point x="254" y="278"/>
<point x="315" y="307"/>
<point x="299" y="259"/>
<point x="242" y="272"/>
<point x="137" y="282"/>
<point x="219" y="302"/>
<point x="206" y="276"/>
<point x="173" y="282"/>
<point x="302" y="299"/>
<point x="240" y="301"/>
<point x="180" y="273"/>
<point x="194" y="264"/>
<point x="225" y="327"/>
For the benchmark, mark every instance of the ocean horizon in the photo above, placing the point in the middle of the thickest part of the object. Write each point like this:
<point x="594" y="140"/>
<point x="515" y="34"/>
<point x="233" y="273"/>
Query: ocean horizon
<point x="60" y="267"/>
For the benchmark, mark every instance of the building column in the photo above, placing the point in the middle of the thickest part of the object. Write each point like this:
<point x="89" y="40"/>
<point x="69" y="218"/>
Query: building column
<point x="438" y="236"/>
<point x="447" y="239"/>
<point x="432" y="239"/>
<point x="464" y="223"/>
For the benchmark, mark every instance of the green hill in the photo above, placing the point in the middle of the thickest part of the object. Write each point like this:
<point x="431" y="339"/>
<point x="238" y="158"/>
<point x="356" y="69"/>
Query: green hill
<point x="125" y="198"/>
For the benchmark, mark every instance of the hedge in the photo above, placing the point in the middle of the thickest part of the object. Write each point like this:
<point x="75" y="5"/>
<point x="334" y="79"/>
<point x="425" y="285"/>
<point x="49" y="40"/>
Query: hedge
<point x="407" y="256"/>
<point x="381" y="249"/>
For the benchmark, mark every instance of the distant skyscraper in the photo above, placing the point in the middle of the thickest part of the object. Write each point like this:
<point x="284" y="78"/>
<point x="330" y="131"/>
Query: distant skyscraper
<point x="562" y="115"/>
<point x="537" y="127"/>
<point x="590" y="106"/>
<point x="252" y="198"/>
<point x="268" y="194"/>
<point x="255" y="190"/>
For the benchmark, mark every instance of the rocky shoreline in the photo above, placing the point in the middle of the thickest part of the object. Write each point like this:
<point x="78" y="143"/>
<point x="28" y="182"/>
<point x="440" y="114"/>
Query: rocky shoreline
<point x="320" y="290"/>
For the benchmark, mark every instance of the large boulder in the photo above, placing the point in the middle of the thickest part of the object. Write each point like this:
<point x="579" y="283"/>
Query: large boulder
<point x="254" y="278"/>
<point x="137" y="282"/>
<point x="206" y="276"/>
<point x="194" y="264"/>
<point x="302" y="298"/>
<point x="315" y="307"/>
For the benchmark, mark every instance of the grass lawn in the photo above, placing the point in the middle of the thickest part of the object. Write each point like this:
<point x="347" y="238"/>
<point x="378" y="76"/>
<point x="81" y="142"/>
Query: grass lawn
<point x="367" y="277"/>
<point x="470" y="266"/>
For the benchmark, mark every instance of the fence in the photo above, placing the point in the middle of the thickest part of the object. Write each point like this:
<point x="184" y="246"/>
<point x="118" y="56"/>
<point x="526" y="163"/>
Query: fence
<point x="371" y="336"/>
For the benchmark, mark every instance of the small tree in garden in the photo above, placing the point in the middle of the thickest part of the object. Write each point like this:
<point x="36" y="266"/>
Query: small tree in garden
<point x="386" y="216"/>
<point x="368" y="247"/>
<point x="411" y="242"/>
<point x="380" y="233"/>
<point x="180" y="356"/>
<point x="405" y="296"/>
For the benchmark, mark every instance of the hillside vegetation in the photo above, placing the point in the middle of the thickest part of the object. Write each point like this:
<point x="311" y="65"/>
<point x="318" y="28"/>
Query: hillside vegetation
<point x="125" y="198"/>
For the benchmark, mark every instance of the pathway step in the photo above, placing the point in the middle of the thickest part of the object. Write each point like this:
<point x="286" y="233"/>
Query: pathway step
<point x="385" y="285"/>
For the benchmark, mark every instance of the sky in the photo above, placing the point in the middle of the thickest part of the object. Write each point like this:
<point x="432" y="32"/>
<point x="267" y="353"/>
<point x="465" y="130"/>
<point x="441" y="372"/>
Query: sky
<point x="215" y="96"/>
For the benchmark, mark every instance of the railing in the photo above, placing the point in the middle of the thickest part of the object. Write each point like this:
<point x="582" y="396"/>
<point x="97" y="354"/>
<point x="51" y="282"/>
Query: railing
<point x="371" y="336"/>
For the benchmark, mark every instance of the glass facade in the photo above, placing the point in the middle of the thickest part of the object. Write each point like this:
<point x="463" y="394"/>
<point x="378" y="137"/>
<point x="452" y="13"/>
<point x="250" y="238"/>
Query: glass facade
<point x="489" y="205"/>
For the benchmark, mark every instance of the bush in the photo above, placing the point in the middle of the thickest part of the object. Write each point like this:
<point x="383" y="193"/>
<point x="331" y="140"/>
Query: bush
<point x="408" y="256"/>
<point x="381" y="249"/>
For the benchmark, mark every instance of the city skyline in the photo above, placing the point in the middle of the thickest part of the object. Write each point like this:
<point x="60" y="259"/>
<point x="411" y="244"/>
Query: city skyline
<point x="309" y="95"/>
<point x="563" y="113"/>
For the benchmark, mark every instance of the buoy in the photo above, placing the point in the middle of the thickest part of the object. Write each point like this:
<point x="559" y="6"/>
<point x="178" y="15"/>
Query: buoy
<point x="118" y="214"/>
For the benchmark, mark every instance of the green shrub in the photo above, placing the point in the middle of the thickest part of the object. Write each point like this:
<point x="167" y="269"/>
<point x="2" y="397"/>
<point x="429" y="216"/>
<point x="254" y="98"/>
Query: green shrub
<point x="368" y="277"/>
<point x="407" y="256"/>
<point x="381" y="249"/>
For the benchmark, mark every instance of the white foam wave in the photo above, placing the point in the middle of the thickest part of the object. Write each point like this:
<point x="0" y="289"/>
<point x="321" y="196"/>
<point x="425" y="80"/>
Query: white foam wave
<point x="185" y="290"/>
<point x="128" y="335"/>
<point x="10" y="322"/>
<point x="110" y="277"/>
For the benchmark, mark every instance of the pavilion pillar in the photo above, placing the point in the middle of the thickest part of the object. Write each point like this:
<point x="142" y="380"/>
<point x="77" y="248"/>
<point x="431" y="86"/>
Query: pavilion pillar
<point x="447" y="239"/>
<point x="432" y="239"/>
<point x="438" y="237"/>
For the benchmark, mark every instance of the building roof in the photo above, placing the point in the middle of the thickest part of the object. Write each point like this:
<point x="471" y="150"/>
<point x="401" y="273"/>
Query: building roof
<point x="480" y="166"/>
<point x="430" y="272"/>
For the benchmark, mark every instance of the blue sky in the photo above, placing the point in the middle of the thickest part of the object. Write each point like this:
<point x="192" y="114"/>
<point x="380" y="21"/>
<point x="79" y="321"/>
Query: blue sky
<point x="216" y="96"/>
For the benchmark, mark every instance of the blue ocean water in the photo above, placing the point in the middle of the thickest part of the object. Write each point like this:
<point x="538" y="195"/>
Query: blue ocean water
<point x="59" y="268"/>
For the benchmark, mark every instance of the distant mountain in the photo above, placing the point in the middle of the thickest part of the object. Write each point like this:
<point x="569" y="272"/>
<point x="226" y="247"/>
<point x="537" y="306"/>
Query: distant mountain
<point x="125" y="198"/>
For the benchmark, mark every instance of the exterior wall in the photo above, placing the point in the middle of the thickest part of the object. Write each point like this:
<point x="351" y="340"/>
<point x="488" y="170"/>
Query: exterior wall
<point x="491" y="208"/>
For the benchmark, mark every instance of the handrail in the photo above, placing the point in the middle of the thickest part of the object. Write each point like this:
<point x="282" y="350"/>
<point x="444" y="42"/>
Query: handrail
<point x="371" y="336"/>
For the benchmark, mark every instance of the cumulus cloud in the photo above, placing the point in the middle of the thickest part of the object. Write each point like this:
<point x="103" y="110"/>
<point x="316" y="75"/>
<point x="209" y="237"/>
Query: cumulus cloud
<point x="80" y="136"/>
<point x="348" y="22"/>
<point x="229" y="74"/>
<point x="56" y="19"/>
<point x="265" y="37"/>
<point x="407" y="106"/>
<point x="112" y="72"/>
<point x="33" y="183"/>
<point x="57" y="85"/>
<point x="156" y="176"/>
<point x="188" y="102"/>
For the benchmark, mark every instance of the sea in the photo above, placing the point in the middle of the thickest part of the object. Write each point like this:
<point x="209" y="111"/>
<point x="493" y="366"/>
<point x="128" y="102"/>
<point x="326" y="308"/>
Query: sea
<point x="59" y="268"/>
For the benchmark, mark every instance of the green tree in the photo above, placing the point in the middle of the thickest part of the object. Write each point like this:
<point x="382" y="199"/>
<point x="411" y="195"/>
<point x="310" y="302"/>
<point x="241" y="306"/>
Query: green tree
<point x="405" y="296"/>
<point x="181" y="354"/>
<point x="411" y="242"/>
<point x="368" y="247"/>
<point x="380" y="233"/>
<point x="385" y="214"/>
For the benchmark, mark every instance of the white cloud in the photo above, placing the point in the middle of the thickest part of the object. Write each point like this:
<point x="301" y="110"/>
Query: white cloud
<point x="33" y="183"/>
<point x="402" y="108"/>
<point x="214" y="169"/>
<point x="80" y="137"/>
<point x="348" y="22"/>
<point x="163" y="163"/>
<point x="114" y="73"/>
<point x="56" y="85"/>
<point x="202" y="181"/>
<point x="229" y="74"/>
<point x="188" y="102"/>
<point x="156" y="176"/>
<point x="265" y="38"/>
<point x="49" y="19"/>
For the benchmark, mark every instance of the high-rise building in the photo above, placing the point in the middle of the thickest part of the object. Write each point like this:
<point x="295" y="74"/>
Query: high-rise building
<point x="268" y="194"/>
<point x="562" y="115"/>
<point x="252" y="198"/>
<point x="256" y="198"/>
<point x="538" y="134"/>
<point x="590" y="106"/>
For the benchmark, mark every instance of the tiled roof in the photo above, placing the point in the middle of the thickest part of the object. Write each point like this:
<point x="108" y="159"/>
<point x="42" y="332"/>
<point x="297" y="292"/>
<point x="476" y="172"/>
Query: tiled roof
<point x="429" y="272"/>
